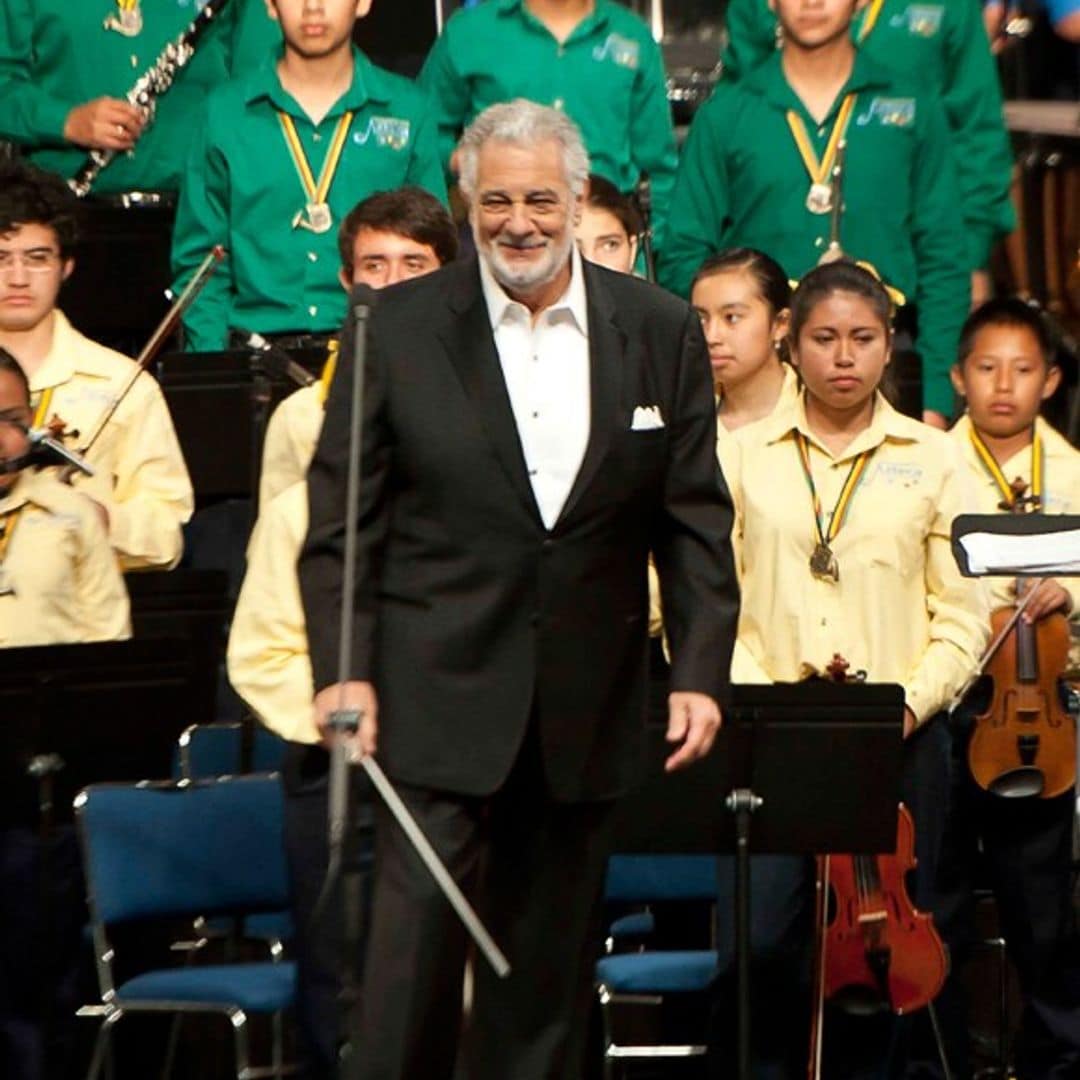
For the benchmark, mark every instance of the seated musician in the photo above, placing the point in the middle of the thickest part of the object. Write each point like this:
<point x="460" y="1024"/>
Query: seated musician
<point x="610" y="227"/>
<point x="59" y="582"/>
<point x="1006" y="370"/>
<point x="281" y="156"/>
<point x="141" y="487"/>
<point x="843" y="514"/>
<point x="66" y="69"/>
<point x="388" y="237"/>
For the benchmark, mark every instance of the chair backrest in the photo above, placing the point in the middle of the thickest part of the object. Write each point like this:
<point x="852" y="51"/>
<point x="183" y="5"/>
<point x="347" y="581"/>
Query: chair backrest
<point x="207" y="750"/>
<point x="646" y="878"/>
<point x="202" y="848"/>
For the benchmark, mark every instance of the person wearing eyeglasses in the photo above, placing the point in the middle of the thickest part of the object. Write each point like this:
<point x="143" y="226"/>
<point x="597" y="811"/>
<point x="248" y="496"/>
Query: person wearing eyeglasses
<point x="141" y="486"/>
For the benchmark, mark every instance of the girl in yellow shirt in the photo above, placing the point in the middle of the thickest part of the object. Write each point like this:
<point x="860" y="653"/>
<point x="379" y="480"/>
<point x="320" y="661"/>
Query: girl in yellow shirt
<point x="843" y="514"/>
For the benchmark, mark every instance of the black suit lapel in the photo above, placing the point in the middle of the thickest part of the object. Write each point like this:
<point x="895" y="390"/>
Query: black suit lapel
<point x="607" y="351"/>
<point x="471" y="347"/>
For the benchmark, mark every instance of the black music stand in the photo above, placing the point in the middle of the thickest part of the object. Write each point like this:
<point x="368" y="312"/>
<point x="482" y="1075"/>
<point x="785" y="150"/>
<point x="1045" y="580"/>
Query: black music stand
<point x="815" y="766"/>
<point x="220" y="403"/>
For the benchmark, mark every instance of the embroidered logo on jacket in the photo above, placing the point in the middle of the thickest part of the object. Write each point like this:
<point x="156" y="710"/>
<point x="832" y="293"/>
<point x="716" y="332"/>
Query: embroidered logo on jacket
<point x="620" y="50"/>
<point x="921" y="19"/>
<point x="890" y="112"/>
<point x="387" y="131"/>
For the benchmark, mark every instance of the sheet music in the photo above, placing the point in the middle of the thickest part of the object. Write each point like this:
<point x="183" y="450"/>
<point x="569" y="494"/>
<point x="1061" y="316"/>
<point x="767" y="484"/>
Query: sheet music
<point x="1041" y="554"/>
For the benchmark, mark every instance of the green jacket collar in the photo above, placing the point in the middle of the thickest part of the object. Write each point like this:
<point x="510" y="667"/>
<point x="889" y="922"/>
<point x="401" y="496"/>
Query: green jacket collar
<point x="369" y="84"/>
<point x="768" y="80"/>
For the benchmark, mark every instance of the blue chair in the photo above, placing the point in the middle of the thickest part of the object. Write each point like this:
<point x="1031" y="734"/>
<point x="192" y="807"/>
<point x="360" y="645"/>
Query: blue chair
<point x="208" y="750"/>
<point x="167" y="851"/>
<point x="641" y="982"/>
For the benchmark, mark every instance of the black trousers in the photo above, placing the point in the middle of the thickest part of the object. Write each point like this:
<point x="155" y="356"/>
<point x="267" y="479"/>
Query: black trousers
<point x="534" y="869"/>
<point x="1021" y="849"/>
<point x="322" y="948"/>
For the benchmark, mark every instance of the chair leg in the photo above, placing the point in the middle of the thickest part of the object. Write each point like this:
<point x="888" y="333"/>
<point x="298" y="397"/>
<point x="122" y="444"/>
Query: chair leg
<point x="170" y="1053"/>
<point x="239" y="1024"/>
<point x="103" y="1045"/>
<point x="278" y="1051"/>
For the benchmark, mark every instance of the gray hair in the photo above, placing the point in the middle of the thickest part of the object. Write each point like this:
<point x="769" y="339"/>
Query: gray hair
<point x="523" y="123"/>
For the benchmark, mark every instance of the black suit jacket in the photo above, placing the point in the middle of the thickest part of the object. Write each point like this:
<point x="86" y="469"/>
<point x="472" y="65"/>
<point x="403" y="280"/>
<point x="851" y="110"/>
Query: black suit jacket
<point x="470" y="615"/>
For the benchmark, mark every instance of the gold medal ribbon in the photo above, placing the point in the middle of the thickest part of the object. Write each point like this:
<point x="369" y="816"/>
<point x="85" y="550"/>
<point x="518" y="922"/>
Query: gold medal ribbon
<point x="843" y="501"/>
<point x="1008" y="494"/>
<point x="333" y="348"/>
<point x="315" y="192"/>
<point x="42" y="409"/>
<point x="872" y="13"/>
<point x="819" y="170"/>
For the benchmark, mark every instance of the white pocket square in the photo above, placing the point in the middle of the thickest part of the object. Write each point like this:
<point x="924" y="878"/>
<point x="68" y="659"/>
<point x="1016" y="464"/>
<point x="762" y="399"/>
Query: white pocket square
<point x="646" y="418"/>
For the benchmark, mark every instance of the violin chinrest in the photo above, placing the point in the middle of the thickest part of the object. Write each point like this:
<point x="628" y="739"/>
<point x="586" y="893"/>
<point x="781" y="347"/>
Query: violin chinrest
<point x="1023" y="782"/>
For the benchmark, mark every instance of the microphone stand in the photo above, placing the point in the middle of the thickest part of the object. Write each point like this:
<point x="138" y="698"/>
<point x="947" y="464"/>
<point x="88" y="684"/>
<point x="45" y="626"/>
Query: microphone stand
<point x="344" y="723"/>
<point x="643" y="198"/>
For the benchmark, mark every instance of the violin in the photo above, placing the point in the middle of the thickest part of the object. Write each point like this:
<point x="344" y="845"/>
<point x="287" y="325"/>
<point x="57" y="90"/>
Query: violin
<point x="874" y="950"/>
<point x="1024" y="744"/>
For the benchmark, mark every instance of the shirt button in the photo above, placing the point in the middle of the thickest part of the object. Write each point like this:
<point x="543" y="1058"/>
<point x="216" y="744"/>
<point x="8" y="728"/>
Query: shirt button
<point x="536" y="416"/>
<point x="548" y="546"/>
<point x="533" y="472"/>
<point x="558" y="103"/>
<point x="820" y="131"/>
<point x="134" y="61"/>
<point x="819" y="241"/>
<point x="316" y="136"/>
<point x="313" y="311"/>
<point x="312" y="256"/>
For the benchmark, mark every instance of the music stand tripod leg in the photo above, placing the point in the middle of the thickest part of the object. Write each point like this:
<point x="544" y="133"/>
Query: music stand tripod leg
<point x="742" y="802"/>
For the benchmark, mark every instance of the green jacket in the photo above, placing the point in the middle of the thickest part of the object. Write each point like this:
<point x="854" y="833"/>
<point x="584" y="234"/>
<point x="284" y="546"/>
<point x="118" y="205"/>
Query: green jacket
<point x="941" y="48"/>
<point x="241" y="189"/>
<point x="608" y="76"/>
<point x="742" y="182"/>
<point x="56" y="54"/>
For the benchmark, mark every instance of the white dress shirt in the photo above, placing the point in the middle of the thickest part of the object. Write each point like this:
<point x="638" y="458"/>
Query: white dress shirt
<point x="546" y="368"/>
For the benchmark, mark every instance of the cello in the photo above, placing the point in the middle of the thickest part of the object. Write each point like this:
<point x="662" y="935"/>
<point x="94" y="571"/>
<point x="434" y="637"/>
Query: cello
<point x="874" y="951"/>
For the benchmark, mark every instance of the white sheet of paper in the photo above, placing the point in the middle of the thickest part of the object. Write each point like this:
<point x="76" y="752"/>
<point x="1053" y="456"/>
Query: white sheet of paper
<point x="1041" y="553"/>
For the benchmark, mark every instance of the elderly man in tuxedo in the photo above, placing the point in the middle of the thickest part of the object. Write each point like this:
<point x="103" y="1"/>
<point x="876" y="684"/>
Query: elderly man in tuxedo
<point x="534" y="426"/>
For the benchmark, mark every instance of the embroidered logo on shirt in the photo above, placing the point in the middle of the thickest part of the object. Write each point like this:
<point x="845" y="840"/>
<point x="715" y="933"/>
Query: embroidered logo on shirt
<point x="889" y="112"/>
<point x="387" y="130"/>
<point x="895" y="472"/>
<point x="620" y="50"/>
<point x="921" y="19"/>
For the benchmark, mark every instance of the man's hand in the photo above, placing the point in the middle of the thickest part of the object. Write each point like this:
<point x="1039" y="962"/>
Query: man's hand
<point x="1050" y="596"/>
<point x="358" y="696"/>
<point x="935" y="419"/>
<point x="910" y="723"/>
<point x="104" y="124"/>
<point x="693" y="720"/>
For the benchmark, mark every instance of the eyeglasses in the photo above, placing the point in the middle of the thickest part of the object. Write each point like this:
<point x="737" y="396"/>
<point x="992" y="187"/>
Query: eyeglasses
<point x="35" y="261"/>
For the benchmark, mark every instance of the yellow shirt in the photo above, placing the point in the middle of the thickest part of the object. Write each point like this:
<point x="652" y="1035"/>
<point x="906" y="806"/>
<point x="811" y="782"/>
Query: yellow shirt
<point x="293" y="431"/>
<point x="141" y="477"/>
<point x="1061" y="492"/>
<point x="901" y="610"/>
<point x="289" y="445"/>
<point x="67" y="586"/>
<point x="267" y="657"/>
<point x="789" y="392"/>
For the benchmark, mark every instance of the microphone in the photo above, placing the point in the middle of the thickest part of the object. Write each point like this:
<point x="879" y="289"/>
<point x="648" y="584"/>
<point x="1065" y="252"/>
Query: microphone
<point x="45" y="450"/>
<point x="277" y="360"/>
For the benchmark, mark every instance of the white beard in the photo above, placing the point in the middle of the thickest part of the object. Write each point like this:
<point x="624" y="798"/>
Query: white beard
<point x="521" y="278"/>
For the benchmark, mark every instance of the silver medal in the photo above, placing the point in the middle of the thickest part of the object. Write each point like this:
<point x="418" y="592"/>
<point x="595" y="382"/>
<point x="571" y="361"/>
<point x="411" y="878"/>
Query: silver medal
<point x="819" y="198"/>
<point x="127" y="21"/>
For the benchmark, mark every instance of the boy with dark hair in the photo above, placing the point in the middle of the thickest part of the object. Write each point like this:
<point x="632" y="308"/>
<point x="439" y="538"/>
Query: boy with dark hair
<point x="391" y="236"/>
<point x="1005" y="371"/>
<point x="141" y="485"/>
<point x="281" y="156"/>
